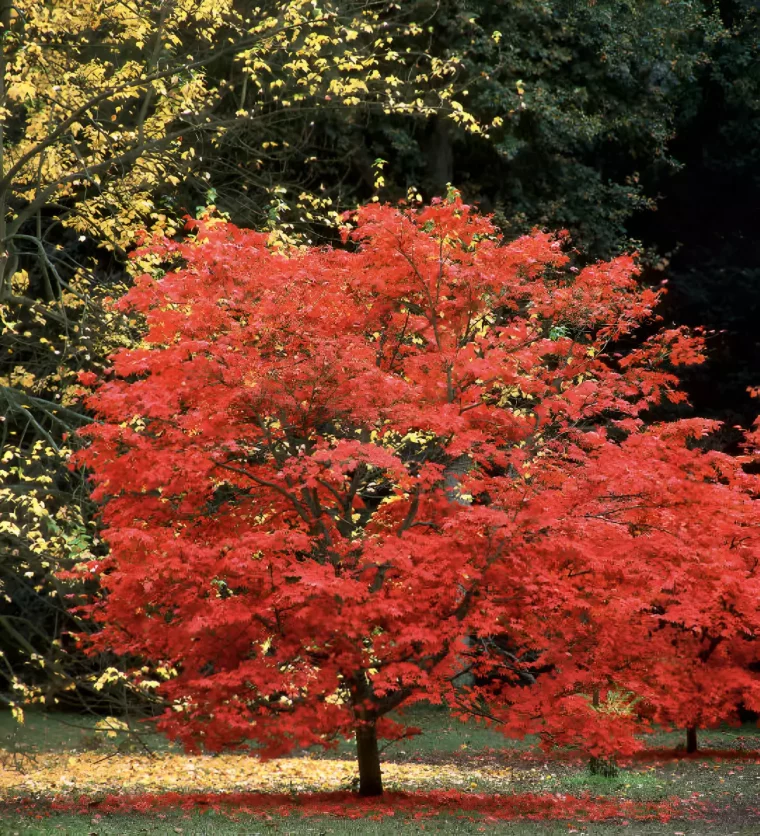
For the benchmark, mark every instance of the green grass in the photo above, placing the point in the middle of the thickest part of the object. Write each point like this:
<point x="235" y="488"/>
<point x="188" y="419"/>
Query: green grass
<point x="211" y="824"/>
<point x="58" y="732"/>
<point x="442" y="735"/>
<point x="746" y="736"/>
<point x="632" y="784"/>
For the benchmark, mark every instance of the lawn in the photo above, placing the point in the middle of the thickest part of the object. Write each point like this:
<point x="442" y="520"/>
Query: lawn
<point x="455" y="778"/>
<point x="211" y="825"/>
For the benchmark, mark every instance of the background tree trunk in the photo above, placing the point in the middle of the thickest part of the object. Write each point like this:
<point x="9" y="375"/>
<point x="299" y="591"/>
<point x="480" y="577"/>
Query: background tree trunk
<point x="440" y="156"/>
<point x="691" y="740"/>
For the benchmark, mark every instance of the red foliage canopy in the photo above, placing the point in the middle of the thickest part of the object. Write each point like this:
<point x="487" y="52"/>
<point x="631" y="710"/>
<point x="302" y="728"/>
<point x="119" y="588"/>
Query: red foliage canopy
<point x="323" y="469"/>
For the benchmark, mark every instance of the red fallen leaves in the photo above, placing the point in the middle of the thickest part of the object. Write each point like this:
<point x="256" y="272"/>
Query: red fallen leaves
<point x="527" y="806"/>
<point x="323" y="470"/>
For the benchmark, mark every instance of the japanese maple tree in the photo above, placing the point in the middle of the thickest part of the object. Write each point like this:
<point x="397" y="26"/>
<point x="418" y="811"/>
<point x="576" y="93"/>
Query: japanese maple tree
<point x="330" y="477"/>
<point x="654" y="592"/>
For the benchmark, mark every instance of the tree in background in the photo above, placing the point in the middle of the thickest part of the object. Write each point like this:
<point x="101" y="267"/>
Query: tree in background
<point x="277" y="464"/>
<point x="706" y="219"/>
<point x="578" y="102"/>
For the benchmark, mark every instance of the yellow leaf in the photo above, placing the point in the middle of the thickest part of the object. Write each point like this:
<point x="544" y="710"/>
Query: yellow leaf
<point x="19" y="90"/>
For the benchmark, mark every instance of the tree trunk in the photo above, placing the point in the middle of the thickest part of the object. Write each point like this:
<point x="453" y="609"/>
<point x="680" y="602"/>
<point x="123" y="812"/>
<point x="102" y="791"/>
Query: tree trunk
<point x="368" y="755"/>
<point x="6" y="6"/>
<point x="439" y="156"/>
<point x="603" y="766"/>
<point x="596" y="765"/>
<point x="691" y="740"/>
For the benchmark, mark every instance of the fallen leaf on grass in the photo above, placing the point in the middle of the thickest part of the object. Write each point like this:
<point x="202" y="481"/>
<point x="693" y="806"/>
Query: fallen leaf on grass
<point x="527" y="806"/>
<point x="90" y="772"/>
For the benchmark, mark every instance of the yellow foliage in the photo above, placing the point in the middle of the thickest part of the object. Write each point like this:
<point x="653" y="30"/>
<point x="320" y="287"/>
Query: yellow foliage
<point x="111" y="726"/>
<point x="115" y="117"/>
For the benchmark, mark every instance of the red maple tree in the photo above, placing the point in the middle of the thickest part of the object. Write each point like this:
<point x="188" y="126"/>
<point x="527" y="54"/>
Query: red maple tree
<point x="331" y="477"/>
